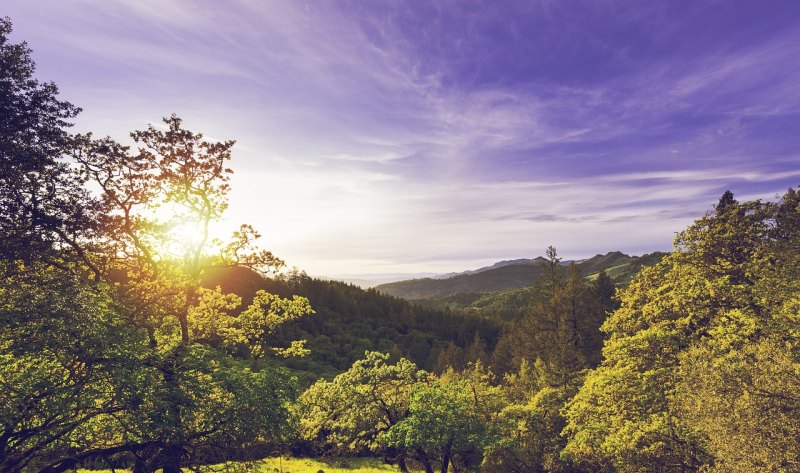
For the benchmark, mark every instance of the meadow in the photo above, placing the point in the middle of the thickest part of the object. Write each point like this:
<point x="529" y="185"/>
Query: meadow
<point x="299" y="465"/>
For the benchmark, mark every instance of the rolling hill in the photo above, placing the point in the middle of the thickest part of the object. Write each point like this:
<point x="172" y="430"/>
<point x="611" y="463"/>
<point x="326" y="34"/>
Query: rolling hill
<point x="515" y="274"/>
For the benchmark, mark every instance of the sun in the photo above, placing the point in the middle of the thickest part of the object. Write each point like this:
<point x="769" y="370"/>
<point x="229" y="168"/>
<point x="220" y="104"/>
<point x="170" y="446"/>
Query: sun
<point x="177" y="233"/>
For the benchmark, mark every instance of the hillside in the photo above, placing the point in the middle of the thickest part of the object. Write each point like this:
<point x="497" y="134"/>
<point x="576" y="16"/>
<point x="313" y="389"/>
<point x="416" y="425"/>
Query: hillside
<point x="504" y="277"/>
<point x="498" y="265"/>
<point x="350" y="320"/>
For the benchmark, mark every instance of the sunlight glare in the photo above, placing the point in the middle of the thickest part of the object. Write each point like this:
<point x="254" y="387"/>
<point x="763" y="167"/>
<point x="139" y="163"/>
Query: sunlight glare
<point x="178" y="233"/>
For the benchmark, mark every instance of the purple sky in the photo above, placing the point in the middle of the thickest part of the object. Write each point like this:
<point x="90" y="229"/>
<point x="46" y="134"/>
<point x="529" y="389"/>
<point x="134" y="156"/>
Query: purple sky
<point x="388" y="136"/>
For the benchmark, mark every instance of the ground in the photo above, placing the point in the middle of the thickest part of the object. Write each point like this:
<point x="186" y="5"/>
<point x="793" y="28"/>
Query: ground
<point x="305" y="465"/>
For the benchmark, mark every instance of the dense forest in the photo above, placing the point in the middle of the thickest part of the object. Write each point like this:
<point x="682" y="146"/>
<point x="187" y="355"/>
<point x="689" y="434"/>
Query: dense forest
<point x="350" y="321"/>
<point x="127" y="341"/>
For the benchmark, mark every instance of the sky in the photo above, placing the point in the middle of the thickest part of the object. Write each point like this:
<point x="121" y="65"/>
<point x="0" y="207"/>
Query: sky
<point x="435" y="136"/>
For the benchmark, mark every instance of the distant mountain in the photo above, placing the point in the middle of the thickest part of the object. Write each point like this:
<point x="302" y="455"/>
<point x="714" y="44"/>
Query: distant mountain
<point x="368" y="280"/>
<point x="515" y="274"/>
<point x="498" y="265"/>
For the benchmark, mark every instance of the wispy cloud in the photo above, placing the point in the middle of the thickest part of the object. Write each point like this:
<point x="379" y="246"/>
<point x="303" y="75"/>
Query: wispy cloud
<point x="408" y="136"/>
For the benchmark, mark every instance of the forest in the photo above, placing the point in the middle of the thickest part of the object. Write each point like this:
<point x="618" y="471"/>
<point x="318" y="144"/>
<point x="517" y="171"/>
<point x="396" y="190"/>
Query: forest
<point x="131" y="339"/>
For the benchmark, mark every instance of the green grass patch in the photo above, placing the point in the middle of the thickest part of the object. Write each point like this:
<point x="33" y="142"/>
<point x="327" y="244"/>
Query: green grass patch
<point x="339" y="465"/>
<point x="303" y="465"/>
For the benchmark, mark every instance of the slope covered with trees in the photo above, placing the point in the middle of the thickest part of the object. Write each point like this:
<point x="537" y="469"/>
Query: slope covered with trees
<point x="517" y="275"/>
<point x="130" y="336"/>
<point x="350" y="321"/>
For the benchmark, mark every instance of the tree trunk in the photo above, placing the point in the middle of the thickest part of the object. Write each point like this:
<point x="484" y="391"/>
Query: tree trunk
<point x="423" y="458"/>
<point x="141" y="466"/>
<point x="172" y="453"/>
<point x="445" y="462"/>
<point x="172" y="459"/>
<point x="446" y="459"/>
<point x="401" y="462"/>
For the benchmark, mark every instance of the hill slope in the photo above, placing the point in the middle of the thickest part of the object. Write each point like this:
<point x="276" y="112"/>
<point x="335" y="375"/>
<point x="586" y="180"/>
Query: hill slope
<point x="350" y="320"/>
<point x="620" y="266"/>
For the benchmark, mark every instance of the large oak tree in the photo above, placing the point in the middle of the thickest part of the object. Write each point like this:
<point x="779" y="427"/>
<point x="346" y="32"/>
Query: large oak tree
<point x="111" y="347"/>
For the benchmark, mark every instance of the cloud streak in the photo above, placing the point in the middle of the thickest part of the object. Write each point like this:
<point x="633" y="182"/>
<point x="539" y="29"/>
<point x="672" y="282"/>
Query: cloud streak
<point x="410" y="136"/>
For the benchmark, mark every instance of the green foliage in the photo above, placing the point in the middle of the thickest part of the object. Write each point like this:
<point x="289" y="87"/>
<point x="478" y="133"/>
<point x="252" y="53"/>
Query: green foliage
<point x="737" y="387"/>
<point x="451" y="419"/>
<point x="744" y="402"/>
<point x="407" y="415"/>
<point x="561" y="326"/>
<point x="61" y="350"/>
<point x="262" y="318"/>
<point x="532" y="423"/>
<point x="697" y="369"/>
<point x="110" y="346"/>
<point x="192" y="401"/>
<point x="44" y="208"/>
<point x="65" y="361"/>
<point x="122" y="339"/>
<point x="621" y="414"/>
<point x="353" y="412"/>
<point x="350" y="321"/>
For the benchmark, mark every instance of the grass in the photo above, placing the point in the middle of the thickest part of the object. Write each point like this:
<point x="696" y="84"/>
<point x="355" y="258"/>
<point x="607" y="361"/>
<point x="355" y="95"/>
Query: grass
<point x="307" y="465"/>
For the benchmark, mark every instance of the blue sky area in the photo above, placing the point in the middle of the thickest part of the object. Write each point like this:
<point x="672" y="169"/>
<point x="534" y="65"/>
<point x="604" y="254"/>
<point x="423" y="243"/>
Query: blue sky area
<point x="410" y="136"/>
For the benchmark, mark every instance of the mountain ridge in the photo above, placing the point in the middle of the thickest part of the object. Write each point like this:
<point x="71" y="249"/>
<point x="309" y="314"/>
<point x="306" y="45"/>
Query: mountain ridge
<point x="515" y="274"/>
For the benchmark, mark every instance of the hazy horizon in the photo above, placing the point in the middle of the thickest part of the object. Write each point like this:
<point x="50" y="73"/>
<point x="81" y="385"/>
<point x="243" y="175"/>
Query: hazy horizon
<point x="389" y="276"/>
<point x="410" y="137"/>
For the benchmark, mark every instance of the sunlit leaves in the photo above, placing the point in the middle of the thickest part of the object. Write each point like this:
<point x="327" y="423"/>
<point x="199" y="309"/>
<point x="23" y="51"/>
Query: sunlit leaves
<point x="745" y="402"/>
<point x="452" y="418"/>
<point x="211" y="319"/>
<point x="242" y="251"/>
<point x="530" y="424"/>
<point x="64" y="360"/>
<point x="266" y="313"/>
<point x="354" y="411"/>
<point x="402" y="412"/>
<point x="701" y="363"/>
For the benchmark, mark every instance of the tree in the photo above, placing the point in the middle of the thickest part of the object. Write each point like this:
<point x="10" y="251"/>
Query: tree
<point x="110" y="346"/>
<point x="551" y="348"/>
<point x="61" y="342"/>
<point x="562" y="324"/>
<point x="743" y="402"/>
<point x="691" y="369"/>
<point x="476" y="351"/>
<point x="737" y="386"/>
<point x="451" y="419"/>
<point x="606" y="291"/>
<point x="66" y="360"/>
<point x="450" y="357"/>
<point x="532" y="422"/>
<point x="354" y="412"/>
<point x="620" y="417"/>
<point x="158" y="204"/>
<point x="263" y="317"/>
<point x="726" y="200"/>
<point x="44" y="209"/>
